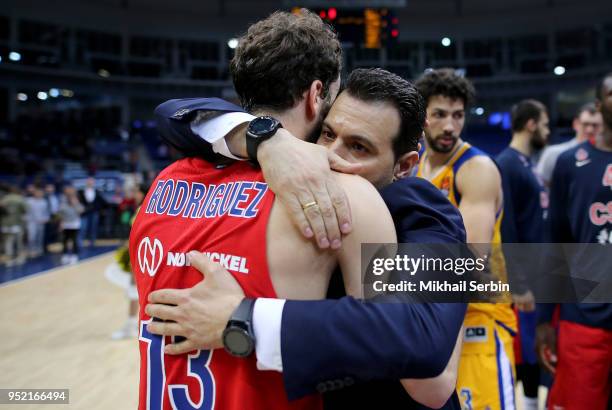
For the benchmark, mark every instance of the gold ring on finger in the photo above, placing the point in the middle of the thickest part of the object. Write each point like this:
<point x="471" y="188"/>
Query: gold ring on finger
<point x="309" y="205"/>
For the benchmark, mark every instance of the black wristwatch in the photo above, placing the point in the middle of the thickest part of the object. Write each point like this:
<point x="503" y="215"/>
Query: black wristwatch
<point x="238" y="336"/>
<point x="260" y="129"/>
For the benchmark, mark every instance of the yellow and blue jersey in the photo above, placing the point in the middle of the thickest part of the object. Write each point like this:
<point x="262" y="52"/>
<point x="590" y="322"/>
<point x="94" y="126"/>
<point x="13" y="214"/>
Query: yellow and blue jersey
<point x="445" y="180"/>
<point x="486" y="370"/>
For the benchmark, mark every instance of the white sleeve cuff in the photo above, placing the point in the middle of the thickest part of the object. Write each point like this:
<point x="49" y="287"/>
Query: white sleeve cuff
<point x="214" y="130"/>
<point x="267" y="317"/>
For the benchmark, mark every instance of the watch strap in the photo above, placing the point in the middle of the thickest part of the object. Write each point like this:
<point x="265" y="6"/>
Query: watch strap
<point x="252" y="143"/>
<point x="244" y="313"/>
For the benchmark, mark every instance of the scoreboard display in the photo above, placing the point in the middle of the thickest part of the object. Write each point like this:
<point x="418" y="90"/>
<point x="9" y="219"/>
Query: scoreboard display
<point x="365" y="27"/>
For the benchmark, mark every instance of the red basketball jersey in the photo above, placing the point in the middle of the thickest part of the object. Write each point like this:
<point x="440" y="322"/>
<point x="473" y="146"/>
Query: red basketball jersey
<point x="193" y="205"/>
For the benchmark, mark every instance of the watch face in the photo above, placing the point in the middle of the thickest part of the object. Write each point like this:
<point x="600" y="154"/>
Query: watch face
<point x="261" y="125"/>
<point x="237" y="342"/>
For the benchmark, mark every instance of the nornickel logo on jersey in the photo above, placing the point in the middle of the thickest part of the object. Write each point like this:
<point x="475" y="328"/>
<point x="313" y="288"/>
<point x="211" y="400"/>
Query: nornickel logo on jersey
<point x="150" y="255"/>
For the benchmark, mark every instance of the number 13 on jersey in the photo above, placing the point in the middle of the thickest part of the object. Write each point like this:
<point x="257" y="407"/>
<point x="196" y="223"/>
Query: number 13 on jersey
<point x="178" y="394"/>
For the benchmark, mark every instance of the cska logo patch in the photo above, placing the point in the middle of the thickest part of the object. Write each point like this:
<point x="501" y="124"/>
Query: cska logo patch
<point x="607" y="177"/>
<point x="581" y="154"/>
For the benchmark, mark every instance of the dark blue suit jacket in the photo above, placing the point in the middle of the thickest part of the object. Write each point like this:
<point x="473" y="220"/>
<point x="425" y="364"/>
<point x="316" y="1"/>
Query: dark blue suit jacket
<point x="330" y="344"/>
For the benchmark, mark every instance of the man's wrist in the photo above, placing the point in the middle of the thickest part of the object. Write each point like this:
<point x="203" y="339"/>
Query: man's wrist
<point x="238" y="336"/>
<point x="266" y="148"/>
<point x="260" y="129"/>
<point x="236" y="141"/>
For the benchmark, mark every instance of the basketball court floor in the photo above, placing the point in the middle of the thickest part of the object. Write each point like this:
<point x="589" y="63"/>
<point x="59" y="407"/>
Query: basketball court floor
<point x="56" y="329"/>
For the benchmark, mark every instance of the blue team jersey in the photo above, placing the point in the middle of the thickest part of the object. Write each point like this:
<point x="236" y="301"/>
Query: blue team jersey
<point x="581" y="212"/>
<point x="581" y="196"/>
<point x="525" y="199"/>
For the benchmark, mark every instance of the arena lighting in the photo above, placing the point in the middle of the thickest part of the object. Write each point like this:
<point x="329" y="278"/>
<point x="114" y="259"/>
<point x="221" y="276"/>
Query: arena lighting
<point x="67" y="93"/>
<point x="42" y="95"/>
<point x="332" y="13"/>
<point x="394" y="33"/>
<point x="479" y="110"/>
<point x="103" y="73"/>
<point x="14" y="56"/>
<point x="446" y="41"/>
<point x="232" y="43"/>
<point x="22" y="97"/>
<point x="559" y="70"/>
<point x="54" y="92"/>
<point x="495" y="118"/>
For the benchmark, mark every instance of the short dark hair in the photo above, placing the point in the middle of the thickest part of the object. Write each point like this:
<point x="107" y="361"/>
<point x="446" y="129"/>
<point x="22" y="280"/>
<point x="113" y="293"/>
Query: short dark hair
<point x="524" y="111"/>
<point x="588" y="107"/>
<point x="600" y="86"/>
<point x="279" y="58"/>
<point x="446" y="82"/>
<point x="376" y="84"/>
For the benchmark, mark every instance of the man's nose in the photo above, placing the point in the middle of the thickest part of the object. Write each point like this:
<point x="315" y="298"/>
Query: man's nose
<point x="448" y="125"/>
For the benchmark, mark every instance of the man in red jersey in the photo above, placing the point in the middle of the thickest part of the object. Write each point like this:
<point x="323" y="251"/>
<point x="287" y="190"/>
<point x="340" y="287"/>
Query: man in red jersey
<point x="228" y="212"/>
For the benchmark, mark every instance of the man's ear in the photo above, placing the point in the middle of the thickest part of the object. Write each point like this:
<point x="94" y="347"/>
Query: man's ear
<point x="405" y="164"/>
<point x="314" y="99"/>
<point x="531" y="125"/>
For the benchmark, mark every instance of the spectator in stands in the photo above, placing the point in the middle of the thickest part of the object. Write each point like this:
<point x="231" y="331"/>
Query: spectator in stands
<point x="127" y="208"/>
<point x="37" y="216"/>
<point x="93" y="202"/>
<point x="587" y="124"/>
<point x="14" y="208"/>
<point x="51" y="227"/>
<point x="130" y="327"/>
<point x="70" y="212"/>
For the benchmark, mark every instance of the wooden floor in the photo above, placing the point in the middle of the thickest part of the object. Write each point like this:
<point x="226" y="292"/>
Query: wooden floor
<point x="55" y="334"/>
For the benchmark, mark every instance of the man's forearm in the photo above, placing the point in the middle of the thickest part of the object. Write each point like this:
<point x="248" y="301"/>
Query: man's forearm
<point x="436" y="391"/>
<point x="236" y="141"/>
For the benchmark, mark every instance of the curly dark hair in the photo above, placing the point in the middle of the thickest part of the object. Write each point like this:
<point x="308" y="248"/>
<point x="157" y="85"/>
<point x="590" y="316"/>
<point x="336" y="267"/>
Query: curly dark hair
<point x="376" y="84"/>
<point x="279" y="58"/>
<point x="446" y="82"/>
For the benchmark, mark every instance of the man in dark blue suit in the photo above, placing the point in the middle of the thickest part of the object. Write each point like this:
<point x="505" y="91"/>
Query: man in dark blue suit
<point x="421" y="214"/>
<point x="330" y="344"/>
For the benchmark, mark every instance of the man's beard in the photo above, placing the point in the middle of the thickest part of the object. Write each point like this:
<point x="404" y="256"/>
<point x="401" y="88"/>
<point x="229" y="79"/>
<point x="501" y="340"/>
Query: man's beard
<point x="537" y="140"/>
<point x="316" y="132"/>
<point x="437" y="146"/>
